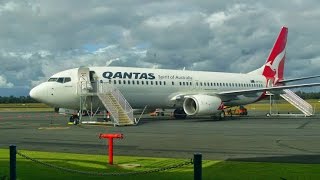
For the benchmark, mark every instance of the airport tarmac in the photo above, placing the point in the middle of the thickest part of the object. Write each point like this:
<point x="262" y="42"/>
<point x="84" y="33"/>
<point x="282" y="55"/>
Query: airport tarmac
<point x="252" y="138"/>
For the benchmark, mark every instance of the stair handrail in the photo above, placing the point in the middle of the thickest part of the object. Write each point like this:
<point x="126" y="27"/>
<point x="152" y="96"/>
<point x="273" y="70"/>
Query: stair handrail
<point x="305" y="111"/>
<point x="113" y="111"/>
<point x="288" y="91"/>
<point x="299" y="99"/>
<point x="106" y="87"/>
<point x="298" y="102"/>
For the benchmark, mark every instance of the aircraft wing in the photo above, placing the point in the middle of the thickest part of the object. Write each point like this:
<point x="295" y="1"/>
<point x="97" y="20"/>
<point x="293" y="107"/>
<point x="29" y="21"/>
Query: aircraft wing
<point x="298" y="79"/>
<point x="276" y="88"/>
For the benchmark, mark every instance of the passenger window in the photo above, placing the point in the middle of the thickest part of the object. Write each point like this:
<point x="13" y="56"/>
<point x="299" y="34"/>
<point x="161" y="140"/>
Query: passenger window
<point x="109" y="81"/>
<point x="124" y="81"/>
<point x="138" y="82"/>
<point x="172" y="83"/>
<point x="114" y="81"/>
<point x="164" y="83"/>
<point x="142" y="82"/>
<point x="159" y="82"/>
<point x="147" y="83"/>
<point x="156" y="82"/>
<point x="151" y="82"/>
<point x="184" y="83"/>
<point x="190" y="83"/>
<point x="119" y="81"/>
<point x="132" y="81"/>
<point x="128" y="81"/>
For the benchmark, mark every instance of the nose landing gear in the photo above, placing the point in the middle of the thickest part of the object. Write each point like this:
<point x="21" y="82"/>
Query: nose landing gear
<point x="74" y="119"/>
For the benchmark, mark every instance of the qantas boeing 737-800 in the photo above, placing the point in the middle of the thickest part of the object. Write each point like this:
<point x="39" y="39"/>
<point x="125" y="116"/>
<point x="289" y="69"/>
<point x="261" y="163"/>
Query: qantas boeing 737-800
<point x="189" y="92"/>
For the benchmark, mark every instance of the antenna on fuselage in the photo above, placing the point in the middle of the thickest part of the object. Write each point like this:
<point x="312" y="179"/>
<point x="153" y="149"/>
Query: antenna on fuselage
<point x="155" y="66"/>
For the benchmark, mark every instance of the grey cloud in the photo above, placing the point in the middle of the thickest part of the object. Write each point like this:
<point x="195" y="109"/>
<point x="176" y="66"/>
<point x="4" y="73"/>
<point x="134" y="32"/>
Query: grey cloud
<point x="232" y="36"/>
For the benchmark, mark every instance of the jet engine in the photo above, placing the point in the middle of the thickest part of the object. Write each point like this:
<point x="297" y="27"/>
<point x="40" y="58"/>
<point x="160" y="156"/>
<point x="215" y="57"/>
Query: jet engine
<point x="201" y="105"/>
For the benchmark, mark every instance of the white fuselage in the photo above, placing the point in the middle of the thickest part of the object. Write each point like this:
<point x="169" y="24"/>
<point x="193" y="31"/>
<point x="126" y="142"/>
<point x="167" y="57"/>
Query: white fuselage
<point x="152" y="87"/>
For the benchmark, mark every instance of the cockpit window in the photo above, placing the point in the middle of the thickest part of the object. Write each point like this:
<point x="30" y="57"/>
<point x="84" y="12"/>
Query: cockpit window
<point x="60" y="79"/>
<point x="67" y="79"/>
<point x="52" y="79"/>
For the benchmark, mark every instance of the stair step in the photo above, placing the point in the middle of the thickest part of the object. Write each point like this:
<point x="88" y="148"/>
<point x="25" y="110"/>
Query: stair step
<point x="111" y="103"/>
<point x="298" y="102"/>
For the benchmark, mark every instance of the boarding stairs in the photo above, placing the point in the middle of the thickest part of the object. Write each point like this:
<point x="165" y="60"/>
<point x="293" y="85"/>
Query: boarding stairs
<point x="297" y="102"/>
<point x="120" y="110"/>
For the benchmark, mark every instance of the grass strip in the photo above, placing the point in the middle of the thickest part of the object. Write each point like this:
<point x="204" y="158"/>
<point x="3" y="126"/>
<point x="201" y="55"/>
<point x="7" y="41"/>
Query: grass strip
<point x="27" y="169"/>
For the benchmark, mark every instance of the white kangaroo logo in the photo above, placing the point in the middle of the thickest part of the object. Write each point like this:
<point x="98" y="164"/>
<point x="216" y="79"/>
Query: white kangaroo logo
<point x="274" y="65"/>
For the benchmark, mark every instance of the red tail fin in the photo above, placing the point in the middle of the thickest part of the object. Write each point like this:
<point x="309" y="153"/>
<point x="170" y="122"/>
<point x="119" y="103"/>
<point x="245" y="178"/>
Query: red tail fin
<point x="274" y="66"/>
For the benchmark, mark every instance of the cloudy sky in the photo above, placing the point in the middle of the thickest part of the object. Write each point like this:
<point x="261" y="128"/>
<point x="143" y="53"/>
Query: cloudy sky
<point x="41" y="37"/>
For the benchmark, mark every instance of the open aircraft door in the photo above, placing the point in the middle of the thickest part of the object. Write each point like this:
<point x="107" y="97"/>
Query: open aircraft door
<point x="84" y="80"/>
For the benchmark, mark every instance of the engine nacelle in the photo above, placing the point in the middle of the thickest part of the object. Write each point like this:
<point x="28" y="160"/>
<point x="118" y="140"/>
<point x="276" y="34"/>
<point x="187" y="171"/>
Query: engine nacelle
<point x="201" y="105"/>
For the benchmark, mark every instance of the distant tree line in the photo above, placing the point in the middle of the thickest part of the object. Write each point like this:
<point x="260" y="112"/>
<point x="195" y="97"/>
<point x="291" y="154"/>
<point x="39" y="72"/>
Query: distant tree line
<point x="303" y="95"/>
<point x="309" y="95"/>
<point x="13" y="99"/>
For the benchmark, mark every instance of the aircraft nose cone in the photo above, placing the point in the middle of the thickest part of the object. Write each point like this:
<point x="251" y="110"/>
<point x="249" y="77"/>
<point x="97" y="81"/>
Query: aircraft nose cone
<point x="38" y="93"/>
<point x="33" y="93"/>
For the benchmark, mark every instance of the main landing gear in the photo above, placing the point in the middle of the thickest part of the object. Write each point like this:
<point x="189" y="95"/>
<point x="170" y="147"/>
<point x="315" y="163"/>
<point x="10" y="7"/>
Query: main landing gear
<point x="222" y="115"/>
<point x="179" y="113"/>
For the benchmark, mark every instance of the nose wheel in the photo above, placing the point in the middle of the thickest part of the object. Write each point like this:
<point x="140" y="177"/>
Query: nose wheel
<point x="74" y="119"/>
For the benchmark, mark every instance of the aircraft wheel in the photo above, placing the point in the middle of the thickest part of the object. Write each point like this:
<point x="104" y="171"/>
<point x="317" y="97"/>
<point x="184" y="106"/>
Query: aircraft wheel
<point x="268" y="114"/>
<point x="71" y="119"/>
<point x="222" y="115"/>
<point x="179" y="114"/>
<point x="75" y="120"/>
